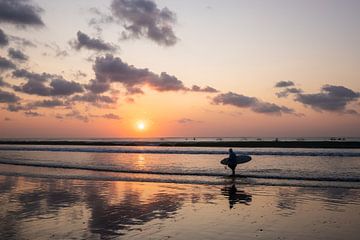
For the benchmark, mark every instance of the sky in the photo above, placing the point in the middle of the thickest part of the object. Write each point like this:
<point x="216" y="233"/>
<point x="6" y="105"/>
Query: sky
<point x="167" y="68"/>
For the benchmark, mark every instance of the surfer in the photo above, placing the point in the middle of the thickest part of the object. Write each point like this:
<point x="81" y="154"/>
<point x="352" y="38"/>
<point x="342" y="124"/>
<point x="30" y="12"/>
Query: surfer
<point x="232" y="161"/>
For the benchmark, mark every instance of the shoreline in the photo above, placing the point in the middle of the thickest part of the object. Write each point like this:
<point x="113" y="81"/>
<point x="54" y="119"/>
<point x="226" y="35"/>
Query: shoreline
<point x="247" y="144"/>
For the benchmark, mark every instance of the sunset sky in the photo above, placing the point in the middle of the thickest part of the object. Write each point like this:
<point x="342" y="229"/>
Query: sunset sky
<point x="151" y="68"/>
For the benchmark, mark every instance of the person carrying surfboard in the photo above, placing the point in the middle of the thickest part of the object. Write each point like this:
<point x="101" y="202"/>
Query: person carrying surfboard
<point x="232" y="163"/>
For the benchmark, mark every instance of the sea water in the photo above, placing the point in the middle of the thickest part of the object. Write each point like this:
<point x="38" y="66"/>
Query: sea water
<point x="196" y="165"/>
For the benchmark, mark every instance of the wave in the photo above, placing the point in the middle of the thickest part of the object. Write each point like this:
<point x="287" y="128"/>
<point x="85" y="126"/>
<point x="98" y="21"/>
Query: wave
<point x="326" y="153"/>
<point x="204" y="174"/>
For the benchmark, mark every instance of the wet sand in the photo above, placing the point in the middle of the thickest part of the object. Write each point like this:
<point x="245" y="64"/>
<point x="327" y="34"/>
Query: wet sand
<point x="47" y="208"/>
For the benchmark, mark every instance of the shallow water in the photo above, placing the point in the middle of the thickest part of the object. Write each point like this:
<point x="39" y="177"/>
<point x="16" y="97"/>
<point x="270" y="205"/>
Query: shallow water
<point x="321" y="167"/>
<point x="39" y="208"/>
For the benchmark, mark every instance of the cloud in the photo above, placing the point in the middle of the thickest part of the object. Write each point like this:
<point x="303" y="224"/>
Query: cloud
<point x="94" y="99"/>
<point x="207" y="89"/>
<point x="96" y="86"/>
<point x="282" y="84"/>
<point x="21" y="42"/>
<point x="31" y="76"/>
<point x="108" y="116"/>
<point x="7" y="119"/>
<point x="100" y="19"/>
<point x="7" y="97"/>
<point x="77" y="115"/>
<point x="6" y="64"/>
<point x="17" y="55"/>
<point x="49" y="103"/>
<point x="84" y="41"/>
<point x="187" y="121"/>
<point x="331" y="98"/>
<point x="143" y="18"/>
<point x="32" y="114"/>
<point x="111" y="69"/>
<point x="21" y="13"/>
<point x="79" y="74"/>
<point x="3" y="83"/>
<point x="37" y="84"/>
<point x="4" y="40"/>
<point x="33" y="87"/>
<point x="16" y="107"/>
<point x="111" y="116"/>
<point x="287" y="91"/>
<point x="256" y="105"/>
<point x="58" y="52"/>
<point x="62" y="87"/>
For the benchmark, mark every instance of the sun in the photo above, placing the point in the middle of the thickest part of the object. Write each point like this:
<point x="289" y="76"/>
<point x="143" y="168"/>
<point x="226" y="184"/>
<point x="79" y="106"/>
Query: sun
<point x="140" y="125"/>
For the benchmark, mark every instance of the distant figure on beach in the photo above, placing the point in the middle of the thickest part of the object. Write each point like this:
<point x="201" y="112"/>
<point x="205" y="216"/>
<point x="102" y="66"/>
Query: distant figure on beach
<point x="232" y="161"/>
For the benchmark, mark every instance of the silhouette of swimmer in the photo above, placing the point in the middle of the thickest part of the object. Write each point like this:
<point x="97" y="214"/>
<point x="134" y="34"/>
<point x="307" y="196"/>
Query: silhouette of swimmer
<point x="232" y="161"/>
<point x="236" y="196"/>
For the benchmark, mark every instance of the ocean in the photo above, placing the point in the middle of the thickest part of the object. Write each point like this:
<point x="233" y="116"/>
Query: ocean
<point x="148" y="162"/>
<point x="150" y="191"/>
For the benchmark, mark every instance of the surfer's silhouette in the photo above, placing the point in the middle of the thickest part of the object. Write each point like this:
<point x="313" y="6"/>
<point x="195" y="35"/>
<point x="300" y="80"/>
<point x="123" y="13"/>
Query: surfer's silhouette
<point x="232" y="161"/>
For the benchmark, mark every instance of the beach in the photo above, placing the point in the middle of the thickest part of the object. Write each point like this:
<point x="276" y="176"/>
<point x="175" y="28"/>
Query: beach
<point x="50" y="208"/>
<point x="160" y="192"/>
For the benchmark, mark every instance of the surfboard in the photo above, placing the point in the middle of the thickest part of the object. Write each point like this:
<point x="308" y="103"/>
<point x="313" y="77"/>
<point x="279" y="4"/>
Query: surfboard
<point x="239" y="159"/>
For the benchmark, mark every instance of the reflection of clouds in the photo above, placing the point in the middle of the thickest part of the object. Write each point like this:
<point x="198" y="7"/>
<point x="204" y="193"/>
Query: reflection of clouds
<point x="109" y="209"/>
<point x="236" y="196"/>
<point x="108" y="220"/>
<point x="332" y="198"/>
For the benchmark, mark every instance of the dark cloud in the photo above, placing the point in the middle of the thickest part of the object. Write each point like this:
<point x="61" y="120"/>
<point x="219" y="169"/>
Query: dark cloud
<point x="108" y="116"/>
<point x="252" y="103"/>
<point x="331" y="98"/>
<point x="32" y="114"/>
<point x="16" y="107"/>
<point x="84" y="41"/>
<point x="98" y="86"/>
<point x="94" y="99"/>
<point x="34" y="87"/>
<point x="4" y="40"/>
<point x="49" y="103"/>
<point x="143" y="18"/>
<point x="7" y="119"/>
<point x="207" y="89"/>
<point x="31" y="76"/>
<point x="111" y="69"/>
<point x="282" y="84"/>
<point x="8" y="97"/>
<point x="287" y="91"/>
<point x="77" y="115"/>
<point x="20" y="12"/>
<point x="62" y="87"/>
<point x="6" y="64"/>
<point x="17" y="55"/>
<point x="37" y="84"/>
